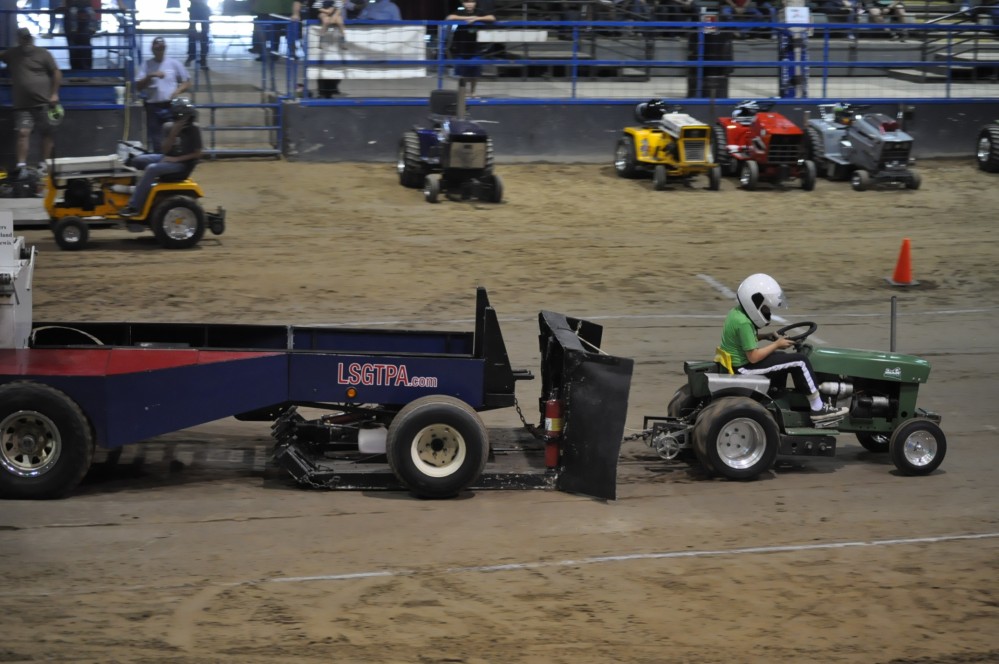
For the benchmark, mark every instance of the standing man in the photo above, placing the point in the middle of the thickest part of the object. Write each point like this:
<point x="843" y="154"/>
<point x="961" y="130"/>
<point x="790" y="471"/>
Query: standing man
<point x="198" y="14"/>
<point x="81" y="21"/>
<point x="163" y="79"/>
<point x="35" y="81"/>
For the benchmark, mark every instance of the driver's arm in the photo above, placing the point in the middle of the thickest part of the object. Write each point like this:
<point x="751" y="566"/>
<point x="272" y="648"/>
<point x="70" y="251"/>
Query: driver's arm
<point x="757" y="354"/>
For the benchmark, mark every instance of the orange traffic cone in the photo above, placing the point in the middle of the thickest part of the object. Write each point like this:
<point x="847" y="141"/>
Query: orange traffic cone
<point x="903" y="269"/>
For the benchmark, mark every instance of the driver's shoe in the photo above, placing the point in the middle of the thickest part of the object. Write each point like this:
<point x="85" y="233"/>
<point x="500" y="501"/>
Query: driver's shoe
<point x="828" y="416"/>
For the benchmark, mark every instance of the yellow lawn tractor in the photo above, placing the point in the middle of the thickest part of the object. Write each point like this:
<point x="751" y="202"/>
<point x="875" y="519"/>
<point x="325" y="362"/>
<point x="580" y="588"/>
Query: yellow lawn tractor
<point x="671" y="145"/>
<point x="88" y="192"/>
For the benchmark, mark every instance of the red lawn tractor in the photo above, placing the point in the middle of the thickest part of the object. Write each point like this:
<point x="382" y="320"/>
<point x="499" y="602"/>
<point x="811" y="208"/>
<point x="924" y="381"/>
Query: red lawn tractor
<point x="761" y="146"/>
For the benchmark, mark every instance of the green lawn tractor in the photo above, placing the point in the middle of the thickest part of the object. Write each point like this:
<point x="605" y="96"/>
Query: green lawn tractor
<point x="738" y="425"/>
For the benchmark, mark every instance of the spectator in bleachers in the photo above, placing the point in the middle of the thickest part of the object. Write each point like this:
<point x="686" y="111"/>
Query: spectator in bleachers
<point x="380" y="10"/>
<point x="677" y="10"/>
<point x="464" y="42"/>
<point x="976" y="9"/>
<point x="888" y="11"/>
<point x="745" y="10"/>
<point x="81" y="20"/>
<point x="843" y="11"/>
<point x="198" y="14"/>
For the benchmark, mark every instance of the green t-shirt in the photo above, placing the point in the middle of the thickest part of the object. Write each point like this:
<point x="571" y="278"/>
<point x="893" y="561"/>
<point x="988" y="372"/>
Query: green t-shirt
<point x="738" y="336"/>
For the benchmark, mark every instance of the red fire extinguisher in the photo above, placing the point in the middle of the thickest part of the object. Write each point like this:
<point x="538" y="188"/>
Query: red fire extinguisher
<point x="553" y="431"/>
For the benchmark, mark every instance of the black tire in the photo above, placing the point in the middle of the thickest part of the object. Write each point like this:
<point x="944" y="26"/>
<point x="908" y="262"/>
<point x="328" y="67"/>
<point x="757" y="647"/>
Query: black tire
<point x="737" y="438"/>
<point x="682" y="404"/>
<point x="71" y="233"/>
<point x="659" y="178"/>
<point x="815" y="150"/>
<point x="874" y="442"/>
<point x="914" y="181"/>
<point x="808" y="175"/>
<point x="719" y="141"/>
<point x="46" y="444"/>
<point x="860" y="180"/>
<point x="437" y="446"/>
<point x="625" y="161"/>
<point x="178" y="222"/>
<point x="988" y="149"/>
<point x="408" y="164"/>
<point x="432" y="188"/>
<point x="917" y="447"/>
<point x="714" y="178"/>
<point x="749" y="175"/>
<point x="495" y="191"/>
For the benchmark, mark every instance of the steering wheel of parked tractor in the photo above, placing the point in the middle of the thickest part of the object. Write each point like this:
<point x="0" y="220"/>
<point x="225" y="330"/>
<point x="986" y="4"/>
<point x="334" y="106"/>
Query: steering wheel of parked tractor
<point x="798" y="338"/>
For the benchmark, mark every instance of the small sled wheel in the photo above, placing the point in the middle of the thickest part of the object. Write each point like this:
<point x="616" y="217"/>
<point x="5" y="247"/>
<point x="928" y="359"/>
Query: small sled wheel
<point x="917" y="447"/>
<point x="71" y="233"/>
<point x="437" y="446"/>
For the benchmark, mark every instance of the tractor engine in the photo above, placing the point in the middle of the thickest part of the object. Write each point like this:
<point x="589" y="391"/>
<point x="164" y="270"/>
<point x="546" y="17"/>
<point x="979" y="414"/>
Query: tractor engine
<point x="880" y="143"/>
<point x="864" y="403"/>
<point x="464" y="146"/>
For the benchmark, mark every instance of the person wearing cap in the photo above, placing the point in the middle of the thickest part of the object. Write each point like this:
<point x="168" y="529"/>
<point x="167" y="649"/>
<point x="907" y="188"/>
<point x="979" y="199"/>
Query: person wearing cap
<point x="162" y="80"/>
<point x="35" y="81"/>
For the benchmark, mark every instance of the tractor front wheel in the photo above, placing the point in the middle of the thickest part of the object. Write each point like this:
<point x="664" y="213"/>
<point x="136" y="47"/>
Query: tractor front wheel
<point x="71" y="233"/>
<point x="914" y="181"/>
<point x="437" y="446"/>
<point x="860" y="180"/>
<point x="494" y="189"/>
<point x="749" y="176"/>
<point x="917" y="447"/>
<point x="659" y="178"/>
<point x="736" y="438"/>
<point x="178" y="222"/>
<point x="432" y="188"/>
<point x="874" y="442"/>
<point x="988" y="149"/>
<point x="808" y="175"/>
<point x="714" y="178"/>
<point x="625" y="162"/>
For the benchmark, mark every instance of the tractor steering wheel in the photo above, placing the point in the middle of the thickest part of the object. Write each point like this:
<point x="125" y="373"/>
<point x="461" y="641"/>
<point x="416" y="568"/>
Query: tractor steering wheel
<point x="798" y="338"/>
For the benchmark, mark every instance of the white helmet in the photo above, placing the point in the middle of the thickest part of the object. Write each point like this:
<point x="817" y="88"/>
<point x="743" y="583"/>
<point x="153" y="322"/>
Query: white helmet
<point x="759" y="295"/>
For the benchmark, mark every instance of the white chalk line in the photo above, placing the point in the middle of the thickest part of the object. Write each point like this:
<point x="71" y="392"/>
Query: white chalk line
<point x="666" y="555"/>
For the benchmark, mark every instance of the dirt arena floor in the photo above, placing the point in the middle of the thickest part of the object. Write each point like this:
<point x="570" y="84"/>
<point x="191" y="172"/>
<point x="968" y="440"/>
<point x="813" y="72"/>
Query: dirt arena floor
<point x="191" y="548"/>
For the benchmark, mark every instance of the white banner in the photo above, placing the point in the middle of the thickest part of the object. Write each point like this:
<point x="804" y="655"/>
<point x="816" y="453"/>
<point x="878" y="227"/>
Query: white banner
<point x="366" y="43"/>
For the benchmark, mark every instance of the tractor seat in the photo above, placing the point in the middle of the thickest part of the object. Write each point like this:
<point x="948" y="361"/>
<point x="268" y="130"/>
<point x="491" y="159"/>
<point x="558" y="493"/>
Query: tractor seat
<point x="181" y="176"/>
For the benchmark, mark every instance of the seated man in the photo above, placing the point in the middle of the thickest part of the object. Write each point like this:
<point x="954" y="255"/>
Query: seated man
<point x="757" y="295"/>
<point x="182" y="148"/>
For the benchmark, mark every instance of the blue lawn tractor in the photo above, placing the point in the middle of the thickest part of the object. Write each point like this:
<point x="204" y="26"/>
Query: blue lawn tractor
<point x="453" y="156"/>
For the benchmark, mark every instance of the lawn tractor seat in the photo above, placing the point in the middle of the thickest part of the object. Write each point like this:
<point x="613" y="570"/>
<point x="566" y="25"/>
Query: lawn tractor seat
<point x="443" y="103"/>
<point x="181" y="176"/>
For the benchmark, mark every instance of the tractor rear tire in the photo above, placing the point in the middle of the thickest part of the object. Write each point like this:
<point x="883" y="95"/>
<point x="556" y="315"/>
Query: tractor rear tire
<point x="874" y="442"/>
<point x="659" y="178"/>
<point x="808" y="175"/>
<point x="736" y="437"/>
<point x="988" y="149"/>
<point x="432" y="188"/>
<point x="860" y="180"/>
<point x="918" y="447"/>
<point x="682" y="404"/>
<point x="411" y="170"/>
<point x="437" y="446"/>
<point x="625" y="161"/>
<point x="815" y="150"/>
<point x="178" y="222"/>
<point x="71" y="233"/>
<point x="749" y="176"/>
<point x="719" y="140"/>
<point x="46" y="444"/>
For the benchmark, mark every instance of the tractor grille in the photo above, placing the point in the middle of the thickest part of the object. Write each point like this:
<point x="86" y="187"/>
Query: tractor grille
<point x="784" y="149"/>
<point x="694" y="150"/>
<point x="468" y="155"/>
<point x="895" y="153"/>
